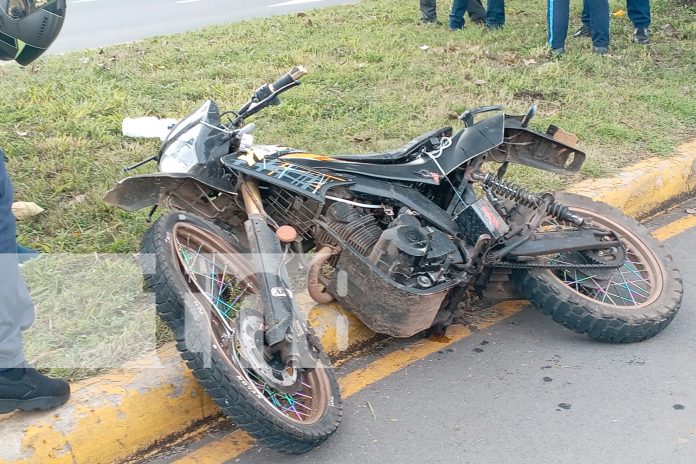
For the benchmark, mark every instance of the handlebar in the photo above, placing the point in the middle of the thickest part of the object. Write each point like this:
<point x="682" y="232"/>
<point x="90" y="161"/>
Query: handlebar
<point x="267" y="94"/>
<point x="290" y="78"/>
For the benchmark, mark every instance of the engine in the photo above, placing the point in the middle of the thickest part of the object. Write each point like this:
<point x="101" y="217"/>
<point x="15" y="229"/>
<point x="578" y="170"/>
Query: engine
<point x="401" y="247"/>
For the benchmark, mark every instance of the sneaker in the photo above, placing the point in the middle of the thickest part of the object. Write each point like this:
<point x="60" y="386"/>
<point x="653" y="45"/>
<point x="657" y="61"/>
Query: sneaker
<point x="584" y="31"/>
<point x="492" y="26"/>
<point x="557" y="52"/>
<point x="600" y="50"/>
<point x="640" y="36"/>
<point x="28" y="390"/>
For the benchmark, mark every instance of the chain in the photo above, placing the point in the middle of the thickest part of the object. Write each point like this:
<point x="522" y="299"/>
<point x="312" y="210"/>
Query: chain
<point x="511" y="265"/>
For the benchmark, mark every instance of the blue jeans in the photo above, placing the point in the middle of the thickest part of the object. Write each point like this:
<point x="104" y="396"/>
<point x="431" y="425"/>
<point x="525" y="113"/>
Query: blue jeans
<point x="16" y="308"/>
<point x="557" y="17"/>
<point x="24" y="254"/>
<point x="460" y="7"/>
<point x="495" y="13"/>
<point x="638" y="13"/>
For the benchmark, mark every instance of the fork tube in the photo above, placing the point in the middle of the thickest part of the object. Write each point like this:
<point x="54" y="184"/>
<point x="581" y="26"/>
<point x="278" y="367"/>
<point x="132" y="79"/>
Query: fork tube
<point x="252" y="197"/>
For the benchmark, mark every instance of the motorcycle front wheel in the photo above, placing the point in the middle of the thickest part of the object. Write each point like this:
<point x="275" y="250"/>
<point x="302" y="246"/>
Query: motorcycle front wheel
<point x="627" y="304"/>
<point x="201" y="279"/>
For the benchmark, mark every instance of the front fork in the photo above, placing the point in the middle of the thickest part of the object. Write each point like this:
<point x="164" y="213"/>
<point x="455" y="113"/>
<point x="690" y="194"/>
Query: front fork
<point x="285" y="332"/>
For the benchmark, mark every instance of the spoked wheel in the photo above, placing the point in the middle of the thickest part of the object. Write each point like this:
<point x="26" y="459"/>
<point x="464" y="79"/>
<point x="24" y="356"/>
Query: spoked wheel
<point x="628" y="303"/>
<point x="203" y="278"/>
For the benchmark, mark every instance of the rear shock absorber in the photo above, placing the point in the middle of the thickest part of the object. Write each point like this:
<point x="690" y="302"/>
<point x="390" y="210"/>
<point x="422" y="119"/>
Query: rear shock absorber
<point x="526" y="198"/>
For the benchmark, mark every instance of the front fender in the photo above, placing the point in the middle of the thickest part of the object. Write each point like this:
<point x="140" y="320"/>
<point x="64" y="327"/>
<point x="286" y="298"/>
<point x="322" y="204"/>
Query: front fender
<point x="138" y="192"/>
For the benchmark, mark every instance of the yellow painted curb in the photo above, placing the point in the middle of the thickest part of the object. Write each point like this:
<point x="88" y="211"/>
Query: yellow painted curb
<point x="642" y="188"/>
<point x="113" y="417"/>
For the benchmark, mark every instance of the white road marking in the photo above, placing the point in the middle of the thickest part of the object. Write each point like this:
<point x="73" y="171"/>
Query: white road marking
<point x="294" y="2"/>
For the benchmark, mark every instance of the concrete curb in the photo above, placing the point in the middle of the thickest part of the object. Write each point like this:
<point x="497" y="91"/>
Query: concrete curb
<point x="642" y="188"/>
<point x="115" y="416"/>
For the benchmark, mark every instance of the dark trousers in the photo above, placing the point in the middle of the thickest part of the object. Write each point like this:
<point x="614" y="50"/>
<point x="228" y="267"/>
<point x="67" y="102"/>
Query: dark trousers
<point x="494" y="16"/>
<point x="429" y="10"/>
<point x="558" y="12"/>
<point x="477" y="12"/>
<point x="638" y="13"/>
<point x="16" y="309"/>
<point x="495" y="13"/>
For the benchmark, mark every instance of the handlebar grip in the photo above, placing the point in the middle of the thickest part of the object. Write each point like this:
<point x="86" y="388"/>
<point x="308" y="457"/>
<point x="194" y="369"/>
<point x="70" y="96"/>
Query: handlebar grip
<point x="293" y="75"/>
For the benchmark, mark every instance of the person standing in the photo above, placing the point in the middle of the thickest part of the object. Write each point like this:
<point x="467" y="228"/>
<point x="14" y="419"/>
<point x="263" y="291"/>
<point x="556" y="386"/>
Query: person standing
<point x="429" y="11"/>
<point x="638" y="13"/>
<point x="493" y="17"/>
<point x="495" y="14"/>
<point x="558" y="12"/>
<point x="27" y="28"/>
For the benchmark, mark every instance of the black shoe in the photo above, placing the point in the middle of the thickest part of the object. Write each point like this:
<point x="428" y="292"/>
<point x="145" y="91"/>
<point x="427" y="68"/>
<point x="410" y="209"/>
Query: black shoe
<point x="27" y="390"/>
<point x="557" y="52"/>
<point x="640" y="36"/>
<point x="584" y="31"/>
<point x="430" y="22"/>
<point x="600" y="50"/>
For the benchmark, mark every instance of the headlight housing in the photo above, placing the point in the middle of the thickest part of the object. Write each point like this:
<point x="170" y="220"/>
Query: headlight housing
<point x="180" y="155"/>
<point x="194" y="141"/>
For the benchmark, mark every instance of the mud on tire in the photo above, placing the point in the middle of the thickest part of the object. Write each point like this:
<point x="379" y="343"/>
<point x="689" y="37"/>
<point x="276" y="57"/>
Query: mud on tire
<point x="230" y="390"/>
<point x="617" y="323"/>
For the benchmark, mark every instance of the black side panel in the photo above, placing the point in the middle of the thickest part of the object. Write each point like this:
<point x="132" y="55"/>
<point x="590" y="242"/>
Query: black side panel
<point x="299" y="179"/>
<point x="473" y="141"/>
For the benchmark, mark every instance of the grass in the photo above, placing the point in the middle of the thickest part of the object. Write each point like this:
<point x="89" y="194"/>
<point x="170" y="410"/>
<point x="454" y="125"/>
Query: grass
<point x="371" y="87"/>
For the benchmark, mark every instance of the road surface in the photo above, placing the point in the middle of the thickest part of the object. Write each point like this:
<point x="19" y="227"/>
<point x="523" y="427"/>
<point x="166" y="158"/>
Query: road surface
<point x="97" y="23"/>
<point x="524" y="390"/>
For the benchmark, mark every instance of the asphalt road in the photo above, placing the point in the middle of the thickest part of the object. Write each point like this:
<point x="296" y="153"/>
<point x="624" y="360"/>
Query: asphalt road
<point x="97" y="23"/>
<point x="526" y="391"/>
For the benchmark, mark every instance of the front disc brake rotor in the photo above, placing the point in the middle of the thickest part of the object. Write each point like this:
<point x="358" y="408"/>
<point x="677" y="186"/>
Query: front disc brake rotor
<point x="252" y="351"/>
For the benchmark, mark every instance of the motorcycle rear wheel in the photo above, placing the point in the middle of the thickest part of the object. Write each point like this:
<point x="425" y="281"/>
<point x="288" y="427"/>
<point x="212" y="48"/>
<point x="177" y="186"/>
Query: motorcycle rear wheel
<point x="200" y="277"/>
<point x="629" y="304"/>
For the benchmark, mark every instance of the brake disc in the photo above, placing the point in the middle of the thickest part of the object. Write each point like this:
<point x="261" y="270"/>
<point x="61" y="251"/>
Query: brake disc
<point x="252" y="351"/>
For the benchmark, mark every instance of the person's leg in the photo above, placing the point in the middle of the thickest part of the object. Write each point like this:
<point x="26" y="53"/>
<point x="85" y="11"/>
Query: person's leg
<point x="599" y="23"/>
<point x="16" y="308"/>
<point x="584" y="29"/>
<point x="25" y="254"/>
<point x="557" y="20"/>
<point x="639" y="13"/>
<point x="495" y="13"/>
<point x="585" y="16"/>
<point x="456" y="19"/>
<point x="477" y="13"/>
<point x="429" y="10"/>
<point x="21" y="387"/>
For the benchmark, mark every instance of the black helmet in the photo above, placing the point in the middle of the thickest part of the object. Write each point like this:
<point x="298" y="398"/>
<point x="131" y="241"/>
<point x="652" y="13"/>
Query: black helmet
<point x="28" y="28"/>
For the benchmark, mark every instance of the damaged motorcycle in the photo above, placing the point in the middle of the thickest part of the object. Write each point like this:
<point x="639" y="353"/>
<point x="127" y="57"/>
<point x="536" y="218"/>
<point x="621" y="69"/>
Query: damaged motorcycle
<point x="400" y="239"/>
